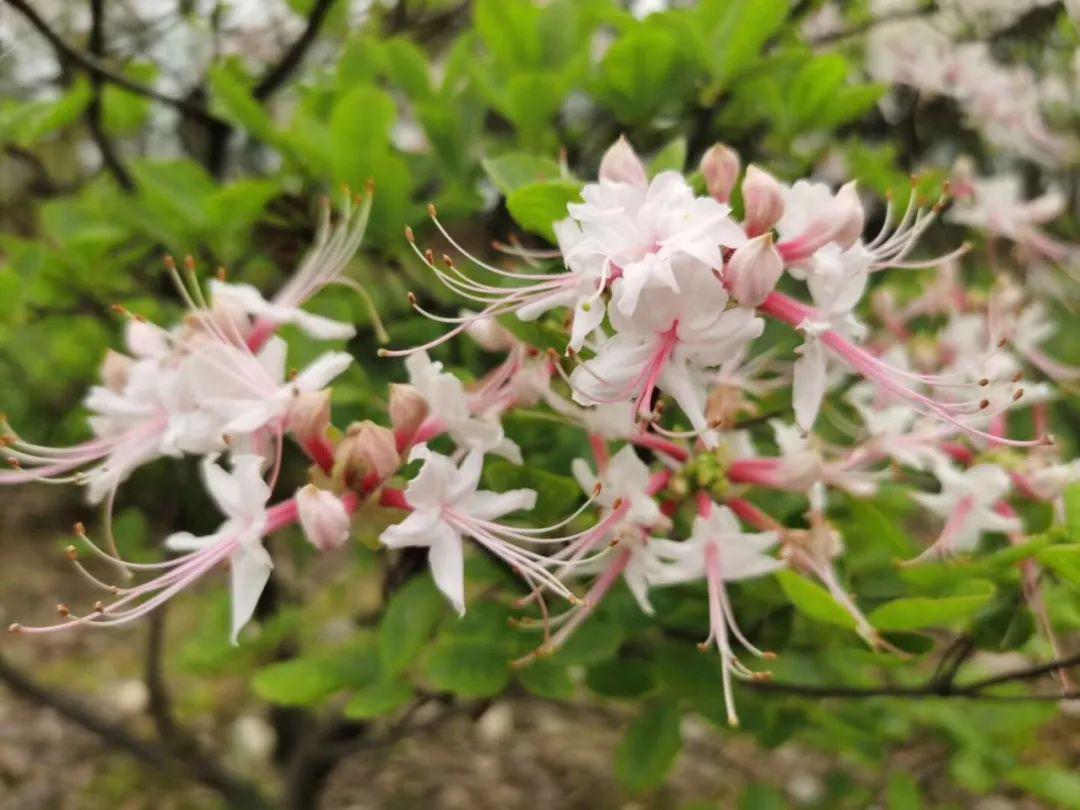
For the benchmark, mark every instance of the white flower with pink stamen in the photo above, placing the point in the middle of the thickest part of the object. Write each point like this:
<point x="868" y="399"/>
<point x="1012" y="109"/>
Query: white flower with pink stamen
<point x="719" y="551"/>
<point x="968" y="502"/>
<point x="447" y="506"/>
<point x="667" y="346"/>
<point x="451" y="411"/>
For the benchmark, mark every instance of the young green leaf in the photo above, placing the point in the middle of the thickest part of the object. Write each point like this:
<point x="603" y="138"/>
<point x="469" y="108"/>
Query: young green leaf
<point x="649" y="748"/>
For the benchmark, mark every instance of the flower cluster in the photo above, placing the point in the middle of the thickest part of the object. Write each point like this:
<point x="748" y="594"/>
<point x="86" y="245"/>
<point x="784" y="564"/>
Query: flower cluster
<point x="667" y="293"/>
<point x="1003" y="102"/>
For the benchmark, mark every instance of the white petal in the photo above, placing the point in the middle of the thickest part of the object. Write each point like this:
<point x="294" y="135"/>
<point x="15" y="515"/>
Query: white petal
<point x="492" y="505"/>
<point x="250" y="568"/>
<point x="446" y="559"/>
<point x="809" y="382"/>
<point x="324" y="369"/>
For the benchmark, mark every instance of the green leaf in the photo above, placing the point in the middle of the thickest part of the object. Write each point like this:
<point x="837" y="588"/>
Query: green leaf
<point x="468" y="668"/>
<point x="548" y="679"/>
<point x="514" y="170"/>
<point x="537" y="207"/>
<point x="27" y="122"/>
<point x="408" y="68"/>
<point x="813" y="89"/>
<point x="621" y="678"/>
<point x="917" y="612"/>
<point x="814" y="601"/>
<point x="1054" y="785"/>
<point x="233" y="101"/>
<point x="738" y="30"/>
<point x="641" y="73"/>
<point x="508" y="29"/>
<point x="903" y="793"/>
<point x="409" y="620"/>
<point x="360" y="125"/>
<point x="671" y="158"/>
<point x="648" y="750"/>
<point x="300" y="682"/>
<point x="1072" y="512"/>
<point x="1063" y="561"/>
<point x="378" y="699"/>
<point x="531" y="101"/>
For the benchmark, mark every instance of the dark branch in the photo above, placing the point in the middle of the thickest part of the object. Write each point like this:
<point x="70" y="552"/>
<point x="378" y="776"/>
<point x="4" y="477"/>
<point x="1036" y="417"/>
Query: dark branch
<point x="70" y="55"/>
<point x="109" y="155"/>
<point x="277" y="75"/>
<point x="236" y="792"/>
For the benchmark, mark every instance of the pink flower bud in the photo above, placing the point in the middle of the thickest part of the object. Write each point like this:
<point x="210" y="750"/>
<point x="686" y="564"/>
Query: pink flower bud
<point x="849" y="214"/>
<point x="491" y="335"/>
<point x="115" y="370"/>
<point x="323" y="517"/>
<point x="621" y="164"/>
<point x="368" y="454"/>
<point x="753" y="270"/>
<point x="408" y="410"/>
<point x="309" y="416"/>
<point x="720" y="166"/>
<point x="763" y="201"/>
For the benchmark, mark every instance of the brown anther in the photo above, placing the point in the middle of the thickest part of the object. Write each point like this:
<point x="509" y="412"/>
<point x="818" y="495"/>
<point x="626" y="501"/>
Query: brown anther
<point x="701" y="645"/>
<point x="596" y="489"/>
<point x="984" y="382"/>
<point x="1002" y="343"/>
<point x="118" y="309"/>
<point x="1018" y="376"/>
<point x="412" y="298"/>
<point x="99" y="606"/>
<point x="768" y="655"/>
<point x="14" y="462"/>
<point x="114" y="590"/>
<point x="984" y="405"/>
<point x="448" y="261"/>
<point x="369" y="185"/>
<point x="79" y="529"/>
<point x="189" y="263"/>
<point x="63" y="610"/>
<point x="1019" y="393"/>
<point x="170" y="262"/>
<point x="617" y="503"/>
<point x="613" y="543"/>
<point x="432" y="212"/>
<point x="381" y="352"/>
<point x="410" y="235"/>
<point x="14" y="627"/>
<point x="72" y="553"/>
<point x="429" y="257"/>
<point x="293" y="374"/>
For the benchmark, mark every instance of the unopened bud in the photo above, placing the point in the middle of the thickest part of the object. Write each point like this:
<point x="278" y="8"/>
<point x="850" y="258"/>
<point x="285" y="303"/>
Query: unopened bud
<point x="491" y="335"/>
<point x="115" y="370"/>
<point x="322" y="517"/>
<point x="753" y="270"/>
<point x="621" y="164"/>
<point x="763" y="201"/>
<point x="368" y="451"/>
<point x="850" y="217"/>
<point x="408" y="409"/>
<point x="720" y="167"/>
<point x="309" y="416"/>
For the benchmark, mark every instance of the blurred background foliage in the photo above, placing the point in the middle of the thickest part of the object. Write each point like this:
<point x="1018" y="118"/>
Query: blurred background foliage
<point x="189" y="128"/>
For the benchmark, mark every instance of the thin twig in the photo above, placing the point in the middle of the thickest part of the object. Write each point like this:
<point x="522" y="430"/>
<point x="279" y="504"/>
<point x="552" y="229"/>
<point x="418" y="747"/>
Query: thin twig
<point x="277" y="75"/>
<point x="95" y="68"/>
<point x="235" y="791"/>
<point x="109" y="155"/>
<point x="866" y="25"/>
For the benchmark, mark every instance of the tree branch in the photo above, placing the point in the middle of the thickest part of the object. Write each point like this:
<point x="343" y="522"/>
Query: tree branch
<point x="277" y="75"/>
<point x="235" y="791"/>
<point x="109" y="155"/>
<point x="92" y="66"/>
